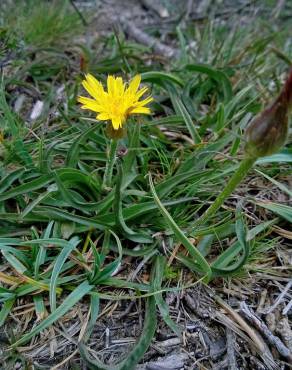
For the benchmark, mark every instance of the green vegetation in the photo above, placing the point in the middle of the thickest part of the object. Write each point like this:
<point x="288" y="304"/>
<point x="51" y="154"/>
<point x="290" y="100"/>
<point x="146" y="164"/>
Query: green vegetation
<point x="63" y="237"/>
<point x="40" y="24"/>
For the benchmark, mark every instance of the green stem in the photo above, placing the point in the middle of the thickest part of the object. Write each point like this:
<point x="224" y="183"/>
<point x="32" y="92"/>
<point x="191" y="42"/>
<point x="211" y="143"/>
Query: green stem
<point x="108" y="173"/>
<point x="237" y="177"/>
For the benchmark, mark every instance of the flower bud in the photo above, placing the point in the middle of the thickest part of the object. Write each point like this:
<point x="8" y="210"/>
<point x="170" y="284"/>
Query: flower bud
<point x="267" y="133"/>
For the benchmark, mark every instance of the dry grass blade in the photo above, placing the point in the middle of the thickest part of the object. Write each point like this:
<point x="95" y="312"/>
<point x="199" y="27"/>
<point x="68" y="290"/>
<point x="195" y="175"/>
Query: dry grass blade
<point x="257" y="340"/>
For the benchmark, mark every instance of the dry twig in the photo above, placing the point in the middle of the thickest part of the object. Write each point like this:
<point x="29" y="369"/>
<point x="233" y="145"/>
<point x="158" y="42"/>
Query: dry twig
<point x="262" y="327"/>
<point x="145" y="39"/>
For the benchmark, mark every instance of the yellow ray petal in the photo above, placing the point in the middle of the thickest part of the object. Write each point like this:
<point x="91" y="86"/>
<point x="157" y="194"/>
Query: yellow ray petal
<point x="144" y="102"/>
<point x="116" y="122"/>
<point x="143" y="110"/>
<point x="93" y="87"/>
<point x="96" y="85"/>
<point x="141" y="92"/>
<point x="88" y="103"/>
<point x="111" y="84"/>
<point x="134" y="84"/>
<point x="103" y="116"/>
<point x="89" y="88"/>
<point x="120" y="87"/>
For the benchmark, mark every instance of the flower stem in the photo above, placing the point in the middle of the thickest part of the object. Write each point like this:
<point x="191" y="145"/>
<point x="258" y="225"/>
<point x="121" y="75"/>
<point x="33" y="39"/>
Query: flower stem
<point x="236" y="178"/>
<point x="111" y="158"/>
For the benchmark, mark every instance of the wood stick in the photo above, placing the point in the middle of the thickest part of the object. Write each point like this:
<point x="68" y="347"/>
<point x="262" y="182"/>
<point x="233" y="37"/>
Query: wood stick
<point x="262" y="327"/>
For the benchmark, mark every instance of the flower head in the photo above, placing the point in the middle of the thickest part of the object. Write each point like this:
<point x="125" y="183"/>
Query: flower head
<point x="118" y="102"/>
<point x="267" y="133"/>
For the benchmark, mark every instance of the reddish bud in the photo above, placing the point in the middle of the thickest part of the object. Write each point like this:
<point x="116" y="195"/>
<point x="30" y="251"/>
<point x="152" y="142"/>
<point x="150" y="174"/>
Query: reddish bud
<point x="267" y="133"/>
<point x="83" y="63"/>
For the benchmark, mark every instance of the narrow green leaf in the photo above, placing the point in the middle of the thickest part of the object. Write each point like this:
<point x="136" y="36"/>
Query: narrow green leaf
<point x="277" y="183"/>
<point x="182" y="111"/>
<point x="14" y="262"/>
<point x="161" y="77"/>
<point x="75" y="296"/>
<point x="78" y="183"/>
<point x="27" y="187"/>
<point x="217" y="75"/>
<point x="107" y="271"/>
<point x="118" y="206"/>
<point x="58" y="214"/>
<point x="252" y="233"/>
<point x="29" y="208"/>
<point x="10" y="178"/>
<point x="5" y="310"/>
<point x="139" y="349"/>
<point x="39" y="305"/>
<point x="284" y="155"/>
<point x="181" y="236"/>
<point x="58" y="264"/>
<point x="41" y="255"/>
<point x="20" y="255"/>
<point x="94" y="312"/>
<point x="280" y="209"/>
<point x="160" y="264"/>
<point x="221" y="266"/>
<point x="72" y="156"/>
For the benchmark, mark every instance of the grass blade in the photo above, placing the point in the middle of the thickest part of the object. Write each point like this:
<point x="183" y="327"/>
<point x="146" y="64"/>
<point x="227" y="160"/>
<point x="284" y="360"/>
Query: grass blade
<point x="139" y="349"/>
<point x="75" y="296"/>
<point x="5" y="310"/>
<point x="28" y="187"/>
<point x="160" y="264"/>
<point x="182" y="110"/>
<point x="197" y="256"/>
<point x="280" y="209"/>
<point x="217" y="75"/>
<point x="221" y="266"/>
<point x="59" y="262"/>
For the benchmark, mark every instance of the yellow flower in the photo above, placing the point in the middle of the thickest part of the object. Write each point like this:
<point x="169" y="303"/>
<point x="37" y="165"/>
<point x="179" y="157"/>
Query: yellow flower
<point x="118" y="102"/>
